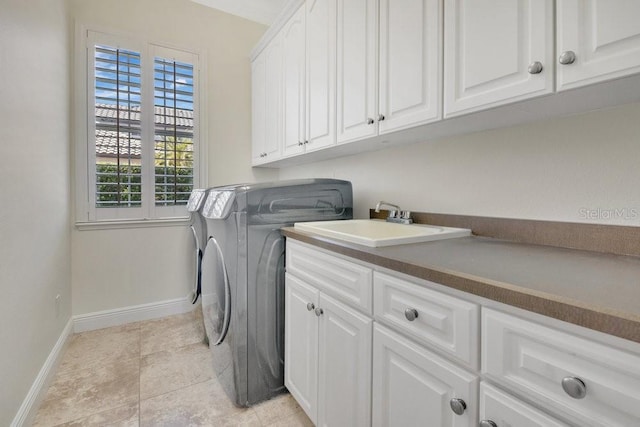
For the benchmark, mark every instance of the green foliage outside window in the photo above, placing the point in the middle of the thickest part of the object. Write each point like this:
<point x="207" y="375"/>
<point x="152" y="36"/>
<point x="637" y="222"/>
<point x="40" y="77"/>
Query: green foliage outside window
<point x="172" y="185"/>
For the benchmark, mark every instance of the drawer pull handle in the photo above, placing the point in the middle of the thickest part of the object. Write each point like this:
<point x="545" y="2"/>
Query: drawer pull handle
<point x="458" y="406"/>
<point x="310" y="306"/>
<point x="574" y="387"/>
<point x="319" y="312"/>
<point x="487" y="423"/>
<point x="411" y="314"/>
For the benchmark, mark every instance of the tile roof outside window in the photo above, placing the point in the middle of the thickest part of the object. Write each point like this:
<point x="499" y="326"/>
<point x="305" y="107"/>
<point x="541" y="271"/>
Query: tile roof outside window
<point x="130" y="146"/>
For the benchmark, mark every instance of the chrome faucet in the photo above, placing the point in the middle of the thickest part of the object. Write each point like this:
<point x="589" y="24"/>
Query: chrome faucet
<point x="396" y="214"/>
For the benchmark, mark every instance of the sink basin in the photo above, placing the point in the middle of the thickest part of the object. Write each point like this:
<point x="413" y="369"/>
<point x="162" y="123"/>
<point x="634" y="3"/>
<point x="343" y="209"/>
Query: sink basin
<point x="377" y="233"/>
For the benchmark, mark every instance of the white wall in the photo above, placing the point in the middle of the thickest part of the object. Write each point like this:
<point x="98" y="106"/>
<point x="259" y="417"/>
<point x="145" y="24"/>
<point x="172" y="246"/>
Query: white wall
<point x="550" y="170"/>
<point x="156" y="264"/>
<point x="34" y="184"/>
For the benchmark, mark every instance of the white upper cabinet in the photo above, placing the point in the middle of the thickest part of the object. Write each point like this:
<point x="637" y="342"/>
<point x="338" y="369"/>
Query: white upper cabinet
<point x="410" y="63"/>
<point x="258" y="108"/>
<point x="394" y="84"/>
<point x="293" y="50"/>
<point x="333" y="72"/>
<point x="597" y="40"/>
<point x="267" y="83"/>
<point x="357" y="90"/>
<point x="273" y="114"/>
<point x="496" y="52"/>
<point x="320" y="73"/>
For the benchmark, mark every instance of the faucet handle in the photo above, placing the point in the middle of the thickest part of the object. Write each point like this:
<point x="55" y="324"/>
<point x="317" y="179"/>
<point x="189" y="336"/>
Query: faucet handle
<point x="393" y="214"/>
<point x="405" y="214"/>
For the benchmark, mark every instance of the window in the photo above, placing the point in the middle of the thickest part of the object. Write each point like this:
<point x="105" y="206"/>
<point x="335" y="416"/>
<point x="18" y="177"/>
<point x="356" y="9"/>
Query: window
<point x="142" y="152"/>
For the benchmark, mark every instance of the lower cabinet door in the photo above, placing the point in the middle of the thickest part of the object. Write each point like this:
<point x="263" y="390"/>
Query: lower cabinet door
<point x="412" y="386"/>
<point x="344" y="390"/>
<point x="301" y="344"/>
<point x="506" y="411"/>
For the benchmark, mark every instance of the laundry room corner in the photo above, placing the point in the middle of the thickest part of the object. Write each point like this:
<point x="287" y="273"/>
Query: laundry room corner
<point x="147" y="270"/>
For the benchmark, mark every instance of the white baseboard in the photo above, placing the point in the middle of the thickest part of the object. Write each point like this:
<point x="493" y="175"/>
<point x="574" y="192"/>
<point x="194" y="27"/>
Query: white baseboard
<point x="31" y="402"/>
<point x="134" y="313"/>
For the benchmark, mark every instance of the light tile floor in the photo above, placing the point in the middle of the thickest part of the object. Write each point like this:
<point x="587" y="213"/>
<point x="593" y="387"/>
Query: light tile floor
<point x="152" y="373"/>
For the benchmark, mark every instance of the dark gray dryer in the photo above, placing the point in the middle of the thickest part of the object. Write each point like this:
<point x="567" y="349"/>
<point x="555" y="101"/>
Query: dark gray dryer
<point x="198" y="228"/>
<point x="243" y="276"/>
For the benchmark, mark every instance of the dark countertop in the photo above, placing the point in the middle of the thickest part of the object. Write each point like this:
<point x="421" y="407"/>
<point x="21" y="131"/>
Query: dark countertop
<point x="595" y="290"/>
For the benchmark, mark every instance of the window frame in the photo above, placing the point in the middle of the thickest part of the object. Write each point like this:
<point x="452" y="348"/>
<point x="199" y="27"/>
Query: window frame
<point x="87" y="214"/>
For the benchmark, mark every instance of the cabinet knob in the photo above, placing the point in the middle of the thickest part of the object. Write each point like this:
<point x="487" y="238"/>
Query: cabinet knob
<point x="574" y="387"/>
<point x="370" y="121"/>
<point x="487" y="423"/>
<point x="567" y="57"/>
<point x="319" y="312"/>
<point x="380" y="117"/>
<point x="458" y="406"/>
<point x="310" y="306"/>
<point x="300" y="143"/>
<point x="411" y="314"/>
<point x="535" y="67"/>
<point x="306" y="142"/>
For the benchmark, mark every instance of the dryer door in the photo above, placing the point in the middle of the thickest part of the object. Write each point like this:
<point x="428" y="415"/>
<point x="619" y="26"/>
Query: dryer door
<point x="216" y="293"/>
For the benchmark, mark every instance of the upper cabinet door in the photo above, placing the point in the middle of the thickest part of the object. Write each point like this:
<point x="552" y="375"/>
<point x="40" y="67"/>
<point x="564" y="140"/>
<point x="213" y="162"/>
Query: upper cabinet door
<point x="273" y="93"/>
<point x="410" y="59"/>
<point x="321" y="73"/>
<point x="357" y="69"/>
<point x="497" y="52"/>
<point x="258" y="108"/>
<point x="597" y="40"/>
<point x="293" y="36"/>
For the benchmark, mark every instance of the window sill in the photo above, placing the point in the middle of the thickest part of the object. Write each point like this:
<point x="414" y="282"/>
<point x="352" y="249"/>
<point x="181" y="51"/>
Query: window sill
<point x="132" y="223"/>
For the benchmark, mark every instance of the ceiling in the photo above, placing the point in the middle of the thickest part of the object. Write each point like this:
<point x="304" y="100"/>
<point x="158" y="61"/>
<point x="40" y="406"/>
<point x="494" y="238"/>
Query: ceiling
<point x="263" y="11"/>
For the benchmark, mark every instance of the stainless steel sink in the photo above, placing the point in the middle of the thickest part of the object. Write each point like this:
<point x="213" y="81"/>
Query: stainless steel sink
<point x="377" y="233"/>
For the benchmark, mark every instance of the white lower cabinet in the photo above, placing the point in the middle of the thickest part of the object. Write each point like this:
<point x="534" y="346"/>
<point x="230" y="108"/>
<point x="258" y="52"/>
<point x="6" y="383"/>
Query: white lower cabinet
<point x="344" y="365"/>
<point x="412" y="386"/>
<point x="301" y="344"/>
<point x="327" y="356"/>
<point x="499" y="409"/>
<point x="417" y="364"/>
<point x="594" y="383"/>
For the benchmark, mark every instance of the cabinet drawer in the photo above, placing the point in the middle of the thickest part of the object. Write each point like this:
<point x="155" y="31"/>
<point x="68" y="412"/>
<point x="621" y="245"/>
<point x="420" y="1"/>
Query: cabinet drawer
<point x="442" y="321"/>
<point x="345" y="280"/>
<point x="505" y="410"/>
<point x="536" y="360"/>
